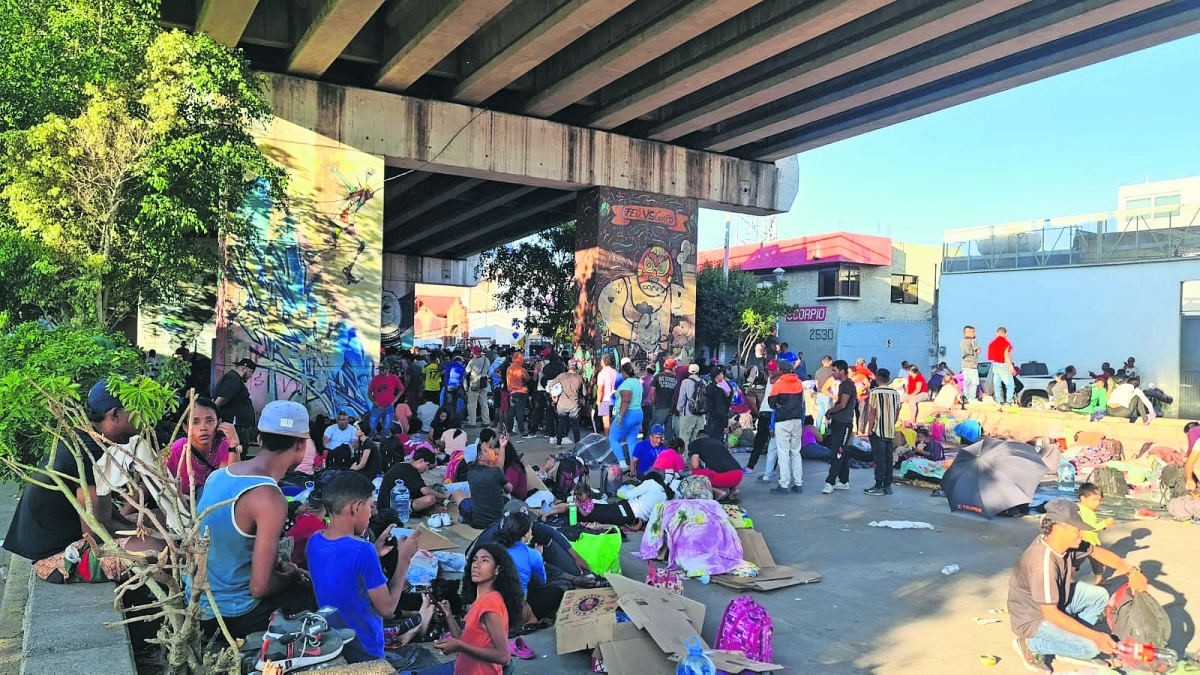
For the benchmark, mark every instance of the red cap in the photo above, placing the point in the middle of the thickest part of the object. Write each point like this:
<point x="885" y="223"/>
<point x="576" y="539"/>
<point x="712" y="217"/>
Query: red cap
<point x="772" y="365"/>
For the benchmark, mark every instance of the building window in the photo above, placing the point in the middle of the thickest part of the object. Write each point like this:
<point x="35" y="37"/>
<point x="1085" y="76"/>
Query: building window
<point x="1172" y="204"/>
<point x="904" y="289"/>
<point x="1134" y="204"/>
<point x="838" y="282"/>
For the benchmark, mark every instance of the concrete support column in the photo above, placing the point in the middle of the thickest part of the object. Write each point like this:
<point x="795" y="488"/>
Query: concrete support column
<point x="300" y="294"/>
<point x="635" y="265"/>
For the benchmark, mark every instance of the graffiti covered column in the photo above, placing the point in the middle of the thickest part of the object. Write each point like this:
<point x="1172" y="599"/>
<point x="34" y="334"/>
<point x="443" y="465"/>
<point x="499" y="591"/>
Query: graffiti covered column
<point x="635" y="267"/>
<point x="300" y="295"/>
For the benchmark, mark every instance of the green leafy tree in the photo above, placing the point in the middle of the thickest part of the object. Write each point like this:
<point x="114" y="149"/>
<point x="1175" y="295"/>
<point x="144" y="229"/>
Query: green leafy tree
<point x="761" y="313"/>
<point x="722" y="305"/>
<point x="159" y="154"/>
<point x="536" y="276"/>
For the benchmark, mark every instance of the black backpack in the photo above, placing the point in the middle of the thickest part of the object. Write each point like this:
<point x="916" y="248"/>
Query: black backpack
<point x="1110" y="481"/>
<point x="341" y="457"/>
<point x="571" y="471"/>
<point x="1172" y="482"/>
<point x="698" y="402"/>
<point x="1138" y="616"/>
<point x="1082" y="398"/>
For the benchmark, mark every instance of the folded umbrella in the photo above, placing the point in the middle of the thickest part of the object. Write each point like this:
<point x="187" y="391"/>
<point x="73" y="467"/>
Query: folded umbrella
<point x="992" y="476"/>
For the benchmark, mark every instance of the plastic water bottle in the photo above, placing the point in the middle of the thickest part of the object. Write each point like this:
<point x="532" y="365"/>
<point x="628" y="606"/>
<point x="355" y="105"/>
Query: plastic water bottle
<point x="695" y="663"/>
<point x="1066" y="476"/>
<point x="401" y="501"/>
<point x="308" y="488"/>
<point x="950" y="569"/>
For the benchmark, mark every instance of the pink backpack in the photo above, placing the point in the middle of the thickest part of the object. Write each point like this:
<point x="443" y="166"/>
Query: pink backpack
<point x="938" y="431"/>
<point x="746" y="627"/>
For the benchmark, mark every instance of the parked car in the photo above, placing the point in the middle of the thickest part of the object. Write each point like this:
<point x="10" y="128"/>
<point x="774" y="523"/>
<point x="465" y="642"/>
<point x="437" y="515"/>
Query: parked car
<point x="1032" y="385"/>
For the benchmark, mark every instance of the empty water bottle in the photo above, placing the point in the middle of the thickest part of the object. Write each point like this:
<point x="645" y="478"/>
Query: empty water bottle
<point x="308" y="488"/>
<point x="950" y="569"/>
<point x="401" y="501"/>
<point x="1066" y="476"/>
<point x="695" y="663"/>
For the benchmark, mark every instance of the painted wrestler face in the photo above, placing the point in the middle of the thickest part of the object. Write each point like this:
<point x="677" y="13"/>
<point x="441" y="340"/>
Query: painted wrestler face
<point x="654" y="271"/>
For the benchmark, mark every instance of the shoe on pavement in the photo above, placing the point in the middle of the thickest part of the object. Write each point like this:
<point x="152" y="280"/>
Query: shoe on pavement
<point x="1033" y="662"/>
<point x="297" y="650"/>
<point x="842" y="486"/>
<point x="874" y="492"/>
<point x="797" y="489"/>
<point x="1144" y="514"/>
<point x="779" y="490"/>
<point x="304" y="623"/>
<point x="520" y="649"/>
<point x="827" y="490"/>
<point x="748" y="472"/>
<point x="887" y="490"/>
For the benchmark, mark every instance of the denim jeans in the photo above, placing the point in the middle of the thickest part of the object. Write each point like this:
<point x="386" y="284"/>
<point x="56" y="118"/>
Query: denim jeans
<point x="1002" y="374"/>
<point x="386" y="412"/>
<point x="627" y="432"/>
<point x="1087" y="604"/>
<point x="971" y="383"/>
<point x="517" y="403"/>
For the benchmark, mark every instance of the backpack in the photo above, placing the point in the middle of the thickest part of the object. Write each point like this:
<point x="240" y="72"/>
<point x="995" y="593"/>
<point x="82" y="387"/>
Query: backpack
<point x="969" y="431"/>
<point x="393" y="452"/>
<point x="1111" y="449"/>
<point x="341" y="457"/>
<point x="746" y="627"/>
<point x="571" y="472"/>
<point x="1082" y="398"/>
<point x="1172" y="482"/>
<point x="1138" y="616"/>
<point x="610" y="480"/>
<point x="1110" y="481"/>
<point x="698" y="402"/>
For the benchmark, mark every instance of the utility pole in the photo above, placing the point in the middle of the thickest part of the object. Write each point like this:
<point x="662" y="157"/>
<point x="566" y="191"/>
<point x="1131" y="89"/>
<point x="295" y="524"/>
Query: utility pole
<point x="725" y="264"/>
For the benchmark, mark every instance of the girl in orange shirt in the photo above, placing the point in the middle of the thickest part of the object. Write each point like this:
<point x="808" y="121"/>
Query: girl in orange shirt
<point x="494" y="590"/>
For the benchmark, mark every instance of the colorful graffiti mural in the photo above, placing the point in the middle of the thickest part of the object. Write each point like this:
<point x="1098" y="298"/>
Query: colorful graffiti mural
<point x="397" y="314"/>
<point x="301" y="294"/>
<point x="635" y="266"/>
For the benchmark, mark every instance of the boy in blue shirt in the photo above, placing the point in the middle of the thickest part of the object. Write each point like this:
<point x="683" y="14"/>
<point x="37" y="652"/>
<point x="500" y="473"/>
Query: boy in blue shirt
<point x="346" y="572"/>
<point x="647" y="451"/>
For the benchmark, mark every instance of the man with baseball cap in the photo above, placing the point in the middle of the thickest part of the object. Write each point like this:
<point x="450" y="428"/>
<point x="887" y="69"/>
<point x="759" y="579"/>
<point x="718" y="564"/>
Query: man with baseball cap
<point x="689" y="422"/>
<point x="46" y="523"/>
<point x="567" y="392"/>
<point x="233" y="398"/>
<point x="1051" y="615"/>
<point x="247" y="580"/>
<point x="478" y="381"/>
<point x="646" y="452"/>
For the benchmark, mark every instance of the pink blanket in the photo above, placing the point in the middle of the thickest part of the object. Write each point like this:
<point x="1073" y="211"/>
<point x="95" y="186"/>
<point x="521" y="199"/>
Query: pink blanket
<point x="697" y="535"/>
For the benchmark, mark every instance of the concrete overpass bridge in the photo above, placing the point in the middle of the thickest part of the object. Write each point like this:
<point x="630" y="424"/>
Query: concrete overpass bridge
<point x="419" y="132"/>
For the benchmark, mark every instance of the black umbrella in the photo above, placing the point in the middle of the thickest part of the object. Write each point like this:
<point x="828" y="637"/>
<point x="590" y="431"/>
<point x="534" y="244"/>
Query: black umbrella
<point x="991" y="476"/>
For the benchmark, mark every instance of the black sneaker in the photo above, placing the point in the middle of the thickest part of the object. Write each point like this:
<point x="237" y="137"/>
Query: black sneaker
<point x="875" y="491"/>
<point x="779" y="490"/>
<point x="1033" y="662"/>
<point x="887" y="490"/>
<point x="797" y="489"/>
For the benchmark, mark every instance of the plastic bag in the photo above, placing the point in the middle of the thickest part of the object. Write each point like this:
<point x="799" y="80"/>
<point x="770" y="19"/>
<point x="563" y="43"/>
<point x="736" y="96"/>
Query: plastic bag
<point x="601" y="551"/>
<point x="423" y="569"/>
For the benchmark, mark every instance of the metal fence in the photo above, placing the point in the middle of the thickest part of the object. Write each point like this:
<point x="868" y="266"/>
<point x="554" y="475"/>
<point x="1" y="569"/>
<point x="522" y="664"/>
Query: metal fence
<point x="1136" y="235"/>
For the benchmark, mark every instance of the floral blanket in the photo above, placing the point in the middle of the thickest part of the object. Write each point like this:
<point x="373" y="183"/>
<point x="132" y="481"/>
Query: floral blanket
<point x="697" y="536"/>
<point x="924" y="467"/>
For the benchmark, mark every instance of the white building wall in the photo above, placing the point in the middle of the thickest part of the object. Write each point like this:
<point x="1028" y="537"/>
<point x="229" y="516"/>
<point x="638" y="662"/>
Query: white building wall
<point x="1081" y="316"/>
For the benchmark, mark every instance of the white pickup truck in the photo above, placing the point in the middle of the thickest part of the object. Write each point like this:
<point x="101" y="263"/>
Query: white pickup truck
<point x="1032" y="384"/>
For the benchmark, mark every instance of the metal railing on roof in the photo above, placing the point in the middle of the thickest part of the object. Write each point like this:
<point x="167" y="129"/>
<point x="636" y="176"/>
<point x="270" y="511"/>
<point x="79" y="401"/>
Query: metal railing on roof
<point x="1134" y="235"/>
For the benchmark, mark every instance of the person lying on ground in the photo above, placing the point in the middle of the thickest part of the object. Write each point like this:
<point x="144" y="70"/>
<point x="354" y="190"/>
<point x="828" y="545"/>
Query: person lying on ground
<point x="632" y="511"/>
<point x="46" y="523"/>
<point x="425" y="499"/>
<point x="245" y="576"/>
<point x="210" y="444"/>
<point x="347" y="574"/>
<point x="1050" y="614"/>
<point x="710" y="457"/>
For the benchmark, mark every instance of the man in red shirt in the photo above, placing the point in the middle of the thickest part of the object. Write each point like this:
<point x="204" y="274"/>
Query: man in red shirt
<point x="384" y="390"/>
<point x="999" y="352"/>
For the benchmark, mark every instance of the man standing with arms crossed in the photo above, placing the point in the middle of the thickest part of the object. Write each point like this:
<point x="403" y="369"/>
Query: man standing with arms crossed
<point x="841" y="421"/>
<point x="970" y="364"/>
<point x="1000" y="354"/>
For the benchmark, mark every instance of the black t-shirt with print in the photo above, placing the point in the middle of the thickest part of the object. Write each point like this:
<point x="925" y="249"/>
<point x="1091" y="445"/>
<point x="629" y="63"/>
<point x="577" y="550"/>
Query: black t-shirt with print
<point x="846" y="415"/>
<point x="46" y="522"/>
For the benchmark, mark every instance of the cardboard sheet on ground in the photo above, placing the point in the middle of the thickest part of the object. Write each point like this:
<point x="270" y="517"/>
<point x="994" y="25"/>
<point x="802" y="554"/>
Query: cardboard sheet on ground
<point x="432" y="541"/>
<point x="770" y="576"/>
<point x="461" y="529"/>
<point x="534" y="481"/>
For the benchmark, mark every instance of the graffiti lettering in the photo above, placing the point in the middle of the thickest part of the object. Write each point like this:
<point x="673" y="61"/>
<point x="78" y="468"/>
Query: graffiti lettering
<point x="622" y="215"/>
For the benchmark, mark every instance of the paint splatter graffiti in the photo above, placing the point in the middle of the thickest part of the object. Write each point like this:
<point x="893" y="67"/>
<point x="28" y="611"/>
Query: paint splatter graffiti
<point x="301" y="294"/>
<point x="635" y="265"/>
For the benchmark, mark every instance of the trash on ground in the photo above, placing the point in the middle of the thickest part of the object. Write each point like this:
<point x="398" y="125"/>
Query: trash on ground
<point x="982" y="621"/>
<point x="950" y="569"/>
<point x="902" y="524"/>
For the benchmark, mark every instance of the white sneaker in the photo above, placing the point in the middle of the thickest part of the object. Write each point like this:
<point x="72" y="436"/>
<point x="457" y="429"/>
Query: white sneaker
<point x="827" y="490"/>
<point x="841" y="486"/>
<point x="624" y="466"/>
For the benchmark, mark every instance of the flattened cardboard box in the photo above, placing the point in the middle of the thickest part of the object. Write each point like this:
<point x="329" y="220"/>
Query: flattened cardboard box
<point x="586" y="618"/>
<point x="770" y="576"/>
<point x="432" y="541"/>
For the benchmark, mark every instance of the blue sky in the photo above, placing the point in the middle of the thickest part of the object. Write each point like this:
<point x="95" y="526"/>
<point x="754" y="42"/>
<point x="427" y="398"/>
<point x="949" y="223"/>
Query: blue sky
<point x="1056" y="147"/>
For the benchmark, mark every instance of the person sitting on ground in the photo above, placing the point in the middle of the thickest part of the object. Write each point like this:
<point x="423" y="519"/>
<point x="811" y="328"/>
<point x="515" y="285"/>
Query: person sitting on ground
<point x="310" y="519"/>
<point x="670" y="464"/>
<point x="369" y="460"/>
<point x="248" y="511"/>
<point x="711" y="458"/>
<point x="425" y="499"/>
<point x="427" y="412"/>
<point x="1128" y="401"/>
<point x="646" y="453"/>
<point x="341" y="442"/>
<point x="562" y="560"/>
<point x="492" y="586"/>
<point x="347" y="574"/>
<point x="937" y="378"/>
<point x="210" y="444"/>
<point x="514" y="471"/>
<point x="633" y="511"/>
<point x="811" y="441"/>
<point x="1058" y="390"/>
<point x="46" y="523"/>
<point x="1049" y="614"/>
<point x="402" y="414"/>
<point x="1192" y="429"/>
<point x="948" y="394"/>
<point x="515" y="534"/>
<point x="925" y="447"/>
<point x="443" y="421"/>
<point x="489" y="487"/>
<point x="1099" y="396"/>
<point x="1090" y="497"/>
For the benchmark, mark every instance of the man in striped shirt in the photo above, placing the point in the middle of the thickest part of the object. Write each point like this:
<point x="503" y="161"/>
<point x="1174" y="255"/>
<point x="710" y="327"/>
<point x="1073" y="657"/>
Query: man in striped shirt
<point x="883" y="409"/>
